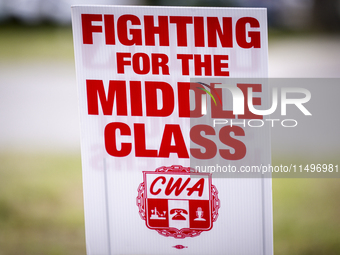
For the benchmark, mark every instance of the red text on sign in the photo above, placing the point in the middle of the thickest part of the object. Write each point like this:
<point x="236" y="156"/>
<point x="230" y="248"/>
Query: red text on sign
<point x="131" y="30"/>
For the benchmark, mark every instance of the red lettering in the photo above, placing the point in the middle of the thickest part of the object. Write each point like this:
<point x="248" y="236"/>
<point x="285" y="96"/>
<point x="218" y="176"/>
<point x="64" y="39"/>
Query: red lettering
<point x="184" y="99"/>
<point x="141" y="63"/>
<point x="153" y="184"/>
<point x="177" y="186"/>
<point x="121" y="62"/>
<point x="173" y="131"/>
<point x="136" y="98"/>
<point x="199" y="187"/>
<point x="217" y="29"/>
<point x="256" y="100"/>
<point x="185" y="62"/>
<point x="225" y="36"/>
<point x="241" y="33"/>
<point x="109" y="29"/>
<point x="197" y="111"/>
<point x="123" y="30"/>
<point x="151" y="99"/>
<point x="217" y="111"/>
<point x="110" y="139"/>
<point x="199" y="31"/>
<point x="218" y="65"/>
<point x="95" y="89"/>
<point x="88" y="28"/>
<point x="139" y="58"/>
<point x="238" y="146"/>
<point x="181" y="24"/>
<point x="162" y="30"/>
<point x="209" y="146"/>
<point x="160" y="61"/>
<point x="140" y="145"/>
<point x="206" y="65"/>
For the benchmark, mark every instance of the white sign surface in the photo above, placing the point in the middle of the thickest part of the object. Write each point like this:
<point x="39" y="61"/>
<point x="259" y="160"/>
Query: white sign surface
<point x="134" y="65"/>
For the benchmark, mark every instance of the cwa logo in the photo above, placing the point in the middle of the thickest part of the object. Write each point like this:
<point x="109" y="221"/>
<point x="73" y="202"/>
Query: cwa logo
<point x="176" y="201"/>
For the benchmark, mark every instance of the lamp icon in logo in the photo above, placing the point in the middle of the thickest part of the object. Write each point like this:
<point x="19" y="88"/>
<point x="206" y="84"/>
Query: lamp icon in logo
<point x="199" y="214"/>
<point x="157" y="215"/>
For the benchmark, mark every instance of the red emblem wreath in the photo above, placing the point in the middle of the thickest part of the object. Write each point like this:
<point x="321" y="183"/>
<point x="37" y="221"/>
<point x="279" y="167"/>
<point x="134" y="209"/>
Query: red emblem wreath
<point x="174" y="232"/>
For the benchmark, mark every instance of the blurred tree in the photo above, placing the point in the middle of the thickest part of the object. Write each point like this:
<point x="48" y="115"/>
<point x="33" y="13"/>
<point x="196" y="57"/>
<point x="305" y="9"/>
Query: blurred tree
<point x="326" y="15"/>
<point x="211" y="3"/>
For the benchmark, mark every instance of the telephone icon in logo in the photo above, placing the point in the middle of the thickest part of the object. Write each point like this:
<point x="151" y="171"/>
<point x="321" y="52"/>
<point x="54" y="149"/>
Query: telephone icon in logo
<point x="178" y="214"/>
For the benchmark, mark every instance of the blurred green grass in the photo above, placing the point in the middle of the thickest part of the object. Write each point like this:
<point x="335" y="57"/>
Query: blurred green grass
<point x="41" y="204"/>
<point x="46" y="41"/>
<point x="41" y="208"/>
<point x="306" y="216"/>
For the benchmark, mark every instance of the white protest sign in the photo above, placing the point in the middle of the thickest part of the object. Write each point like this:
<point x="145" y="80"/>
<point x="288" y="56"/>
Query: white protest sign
<point x="145" y="190"/>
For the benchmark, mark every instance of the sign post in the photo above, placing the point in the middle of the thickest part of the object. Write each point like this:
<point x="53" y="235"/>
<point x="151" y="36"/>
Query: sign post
<point x="158" y="152"/>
